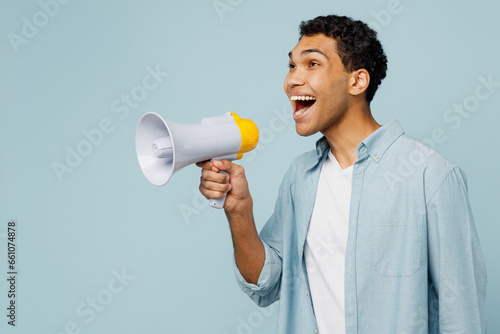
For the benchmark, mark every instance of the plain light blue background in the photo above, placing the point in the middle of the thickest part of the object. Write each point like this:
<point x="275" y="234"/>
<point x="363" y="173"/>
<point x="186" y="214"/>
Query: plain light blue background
<point x="105" y="216"/>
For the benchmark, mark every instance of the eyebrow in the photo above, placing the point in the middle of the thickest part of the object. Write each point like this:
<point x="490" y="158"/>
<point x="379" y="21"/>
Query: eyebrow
<point x="307" y="51"/>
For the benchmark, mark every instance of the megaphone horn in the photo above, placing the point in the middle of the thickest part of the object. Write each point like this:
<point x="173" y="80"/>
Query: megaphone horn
<point x="165" y="147"/>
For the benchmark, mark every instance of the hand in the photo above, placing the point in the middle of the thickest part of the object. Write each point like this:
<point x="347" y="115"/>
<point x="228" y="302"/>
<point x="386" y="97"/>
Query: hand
<point x="234" y="185"/>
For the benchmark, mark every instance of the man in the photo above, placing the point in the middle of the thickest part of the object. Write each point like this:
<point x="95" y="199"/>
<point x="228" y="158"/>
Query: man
<point x="372" y="232"/>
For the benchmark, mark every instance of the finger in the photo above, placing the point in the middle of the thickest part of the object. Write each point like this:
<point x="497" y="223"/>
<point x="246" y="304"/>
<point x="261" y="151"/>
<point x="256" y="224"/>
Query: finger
<point x="209" y="175"/>
<point x="211" y="193"/>
<point x="205" y="164"/>
<point x="221" y="164"/>
<point x="203" y="190"/>
<point x="213" y="186"/>
<point x="229" y="167"/>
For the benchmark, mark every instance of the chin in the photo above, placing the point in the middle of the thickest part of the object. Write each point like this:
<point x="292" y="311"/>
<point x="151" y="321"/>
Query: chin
<point x="302" y="131"/>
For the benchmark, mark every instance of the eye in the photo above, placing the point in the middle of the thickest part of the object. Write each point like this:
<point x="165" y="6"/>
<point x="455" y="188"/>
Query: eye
<point x="313" y="63"/>
<point x="291" y="65"/>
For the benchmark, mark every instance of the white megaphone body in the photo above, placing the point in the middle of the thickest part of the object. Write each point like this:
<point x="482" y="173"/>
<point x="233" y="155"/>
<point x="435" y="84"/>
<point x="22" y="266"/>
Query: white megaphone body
<point x="165" y="147"/>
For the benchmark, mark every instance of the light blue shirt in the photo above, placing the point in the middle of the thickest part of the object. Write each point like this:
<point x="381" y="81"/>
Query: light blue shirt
<point x="413" y="261"/>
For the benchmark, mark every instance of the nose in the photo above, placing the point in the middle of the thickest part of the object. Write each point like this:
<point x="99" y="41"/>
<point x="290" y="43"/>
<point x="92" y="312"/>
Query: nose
<point x="294" y="79"/>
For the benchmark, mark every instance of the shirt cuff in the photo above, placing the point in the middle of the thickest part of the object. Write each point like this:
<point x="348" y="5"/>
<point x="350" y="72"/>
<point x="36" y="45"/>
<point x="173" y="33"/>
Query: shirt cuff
<point x="269" y="275"/>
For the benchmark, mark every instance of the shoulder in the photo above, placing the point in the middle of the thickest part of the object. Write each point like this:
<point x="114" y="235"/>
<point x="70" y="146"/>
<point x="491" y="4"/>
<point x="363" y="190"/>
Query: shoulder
<point x="419" y="153"/>
<point x="425" y="162"/>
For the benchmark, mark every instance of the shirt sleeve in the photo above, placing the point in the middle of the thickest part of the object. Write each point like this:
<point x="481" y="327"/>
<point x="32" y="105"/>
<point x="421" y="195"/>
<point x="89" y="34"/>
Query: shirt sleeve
<point x="456" y="265"/>
<point x="267" y="289"/>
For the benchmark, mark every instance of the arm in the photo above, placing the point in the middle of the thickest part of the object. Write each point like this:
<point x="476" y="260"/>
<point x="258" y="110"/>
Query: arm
<point x="249" y="250"/>
<point x="258" y="263"/>
<point x="456" y="265"/>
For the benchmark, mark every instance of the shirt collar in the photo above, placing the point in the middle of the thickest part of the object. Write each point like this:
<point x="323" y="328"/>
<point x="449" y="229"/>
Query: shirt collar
<point x="377" y="143"/>
<point x="374" y="145"/>
<point x="322" y="147"/>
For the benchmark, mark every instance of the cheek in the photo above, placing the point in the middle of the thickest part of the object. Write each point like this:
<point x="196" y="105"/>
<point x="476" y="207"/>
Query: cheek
<point x="323" y="84"/>
<point x="334" y="90"/>
<point x="316" y="83"/>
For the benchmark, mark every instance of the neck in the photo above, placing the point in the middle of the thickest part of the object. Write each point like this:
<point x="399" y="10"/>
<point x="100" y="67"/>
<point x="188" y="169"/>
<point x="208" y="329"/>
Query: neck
<point x="345" y="136"/>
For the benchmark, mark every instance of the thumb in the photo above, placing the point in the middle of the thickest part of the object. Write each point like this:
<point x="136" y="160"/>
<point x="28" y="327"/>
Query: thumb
<point x="225" y="165"/>
<point x="222" y="164"/>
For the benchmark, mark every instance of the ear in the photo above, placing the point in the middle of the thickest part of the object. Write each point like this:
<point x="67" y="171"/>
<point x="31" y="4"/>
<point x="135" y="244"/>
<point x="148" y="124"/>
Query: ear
<point x="358" y="81"/>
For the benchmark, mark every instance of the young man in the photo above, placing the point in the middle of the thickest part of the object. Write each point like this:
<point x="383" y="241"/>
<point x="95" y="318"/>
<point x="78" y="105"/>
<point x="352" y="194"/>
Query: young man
<point x="372" y="231"/>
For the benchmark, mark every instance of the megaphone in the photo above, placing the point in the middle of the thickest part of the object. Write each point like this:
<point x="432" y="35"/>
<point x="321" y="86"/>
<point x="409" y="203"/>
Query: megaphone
<point x="165" y="147"/>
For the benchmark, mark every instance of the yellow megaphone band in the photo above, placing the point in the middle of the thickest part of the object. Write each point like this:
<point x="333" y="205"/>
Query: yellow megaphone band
<point x="249" y="134"/>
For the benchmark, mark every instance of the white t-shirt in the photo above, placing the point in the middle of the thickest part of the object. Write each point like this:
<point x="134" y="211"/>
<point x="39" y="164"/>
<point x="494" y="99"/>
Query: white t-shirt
<point x="325" y="247"/>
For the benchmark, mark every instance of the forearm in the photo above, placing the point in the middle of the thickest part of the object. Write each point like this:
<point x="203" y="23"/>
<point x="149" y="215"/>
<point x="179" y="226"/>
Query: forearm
<point x="249" y="251"/>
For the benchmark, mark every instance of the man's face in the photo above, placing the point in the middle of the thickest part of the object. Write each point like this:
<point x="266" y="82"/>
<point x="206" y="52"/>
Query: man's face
<point x="316" y="85"/>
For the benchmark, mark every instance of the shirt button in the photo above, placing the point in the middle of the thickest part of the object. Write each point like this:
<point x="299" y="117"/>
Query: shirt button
<point x="376" y="157"/>
<point x="315" y="331"/>
<point x="307" y="293"/>
<point x="300" y="252"/>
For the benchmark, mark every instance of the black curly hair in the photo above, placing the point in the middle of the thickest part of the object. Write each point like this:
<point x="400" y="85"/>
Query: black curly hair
<point x="357" y="46"/>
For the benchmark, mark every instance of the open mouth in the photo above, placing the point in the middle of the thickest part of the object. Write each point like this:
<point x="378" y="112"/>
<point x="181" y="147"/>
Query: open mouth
<point x="301" y="103"/>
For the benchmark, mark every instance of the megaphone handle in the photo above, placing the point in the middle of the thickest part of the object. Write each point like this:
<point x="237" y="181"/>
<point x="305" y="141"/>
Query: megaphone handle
<point x="218" y="203"/>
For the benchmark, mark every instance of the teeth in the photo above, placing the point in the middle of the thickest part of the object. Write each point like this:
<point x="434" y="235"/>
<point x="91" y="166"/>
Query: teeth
<point x="299" y="112"/>
<point x="302" y="98"/>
